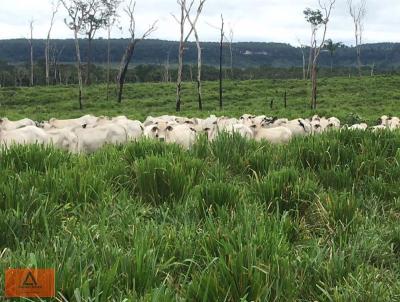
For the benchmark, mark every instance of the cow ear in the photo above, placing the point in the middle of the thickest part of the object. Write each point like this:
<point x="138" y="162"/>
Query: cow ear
<point x="169" y="128"/>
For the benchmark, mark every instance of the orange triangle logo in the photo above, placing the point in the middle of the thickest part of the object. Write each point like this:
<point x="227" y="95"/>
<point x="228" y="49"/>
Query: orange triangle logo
<point x="29" y="280"/>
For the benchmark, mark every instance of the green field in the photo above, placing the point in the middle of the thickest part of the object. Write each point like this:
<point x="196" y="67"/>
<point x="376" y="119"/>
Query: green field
<point x="368" y="97"/>
<point x="235" y="220"/>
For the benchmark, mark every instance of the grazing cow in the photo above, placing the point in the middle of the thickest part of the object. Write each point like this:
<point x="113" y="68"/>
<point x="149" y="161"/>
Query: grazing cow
<point x="276" y="135"/>
<point x="378" y="128"/>
<point x="23" y="136"/>
<point x="384" y="120"/>
<point x="394" y="123"/>
<point x="362" y="126"/>
<point x="170" y="119"/>
<point x="84" y="120"/>
<point x="182" y="135"/>
<point x="299" y="127"/>
<point x="91" y="139"/>
<point x="64" y="139"/>
<point x="6" y="124"/>
<point x="242" y="129"/>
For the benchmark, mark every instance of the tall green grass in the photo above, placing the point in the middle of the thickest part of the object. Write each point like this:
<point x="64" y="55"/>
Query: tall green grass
<point x="234" y="220"/>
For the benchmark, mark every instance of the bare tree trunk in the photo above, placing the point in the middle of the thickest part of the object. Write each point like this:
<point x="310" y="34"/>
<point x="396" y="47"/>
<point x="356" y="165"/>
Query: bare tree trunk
<point x="304" y="62"/>
<point x="199" y="72"/>
<point x="314" y="87"/>
<point x="180" y="57"/>
<point x="78" y="60"/>
<point x="89" y="60"/>
<point x="124" y="68"/>
<point x="47" y="47"/>
<point x="31" y="49"/>
<point x="108" y="61"/>
<point x="166" y="73"/>
<point x="220" y="62"/>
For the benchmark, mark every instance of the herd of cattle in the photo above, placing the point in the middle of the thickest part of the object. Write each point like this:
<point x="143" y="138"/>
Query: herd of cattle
<point x="89" y="133"/>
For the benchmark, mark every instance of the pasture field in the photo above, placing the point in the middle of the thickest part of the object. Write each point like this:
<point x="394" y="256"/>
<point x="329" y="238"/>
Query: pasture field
<point x="350" y="99"/>
<point x="233" y="220"/>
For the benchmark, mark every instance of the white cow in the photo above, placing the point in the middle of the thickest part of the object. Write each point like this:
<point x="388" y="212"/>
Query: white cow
<point x="84" y="120"/>
<point x="6" y="124"/>
<point x="299" y="127"/>
<point x="23" y="136"/>
<point x="362" y="126"/>
<point x="276" y="135"/>
<point x="182" y="135"/>
<point x="64" y="139"/>
<point x="91" y="139"/>
<point x="242" y="129"/>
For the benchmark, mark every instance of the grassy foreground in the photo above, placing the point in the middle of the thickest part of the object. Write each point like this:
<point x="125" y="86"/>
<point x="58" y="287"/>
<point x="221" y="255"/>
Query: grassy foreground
<point x="350" y="99"/>
<point x="236" y="220"/>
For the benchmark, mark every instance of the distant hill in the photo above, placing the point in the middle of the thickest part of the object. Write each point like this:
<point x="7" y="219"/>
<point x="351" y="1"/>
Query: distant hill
<point x="245" y="54"/>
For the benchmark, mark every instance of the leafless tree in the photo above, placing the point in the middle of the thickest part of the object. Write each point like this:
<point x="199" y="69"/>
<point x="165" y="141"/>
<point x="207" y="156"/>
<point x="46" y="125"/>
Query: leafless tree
<point x="55" y="7"/>
<point x="30" y="41"/>
<point x="230" y="42"/>
<point x="317" y="19"/>
<point x="126" y="58"/>
<point x="199" y="51"/>
<point x="112" y="19"/>
<point x="166" y="68"/>
<point x="77" y="13"/>
<point x="302" y="47"/>
<point x="185" y="11"/>
<point x="220" y="61"/>
<point x="357" y="12"/>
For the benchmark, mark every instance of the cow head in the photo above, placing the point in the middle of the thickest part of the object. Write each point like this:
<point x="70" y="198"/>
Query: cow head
<point x="160" y="131"/>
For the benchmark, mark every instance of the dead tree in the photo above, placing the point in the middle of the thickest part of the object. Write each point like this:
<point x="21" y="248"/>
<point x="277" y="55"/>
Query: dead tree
<point x="230" y="40"/>
<point x="199" y="51"/>
<point x="30" y="41"/>
<point x="77" y="10"/>
<point x="126" y="58"/>
<point x="220" y="61"/>
<point x="47" y="46"/>
<point x="166" y="68"/>
<point x="112" y="19"/>
<point x="317" y="19"/>
<point x="185" y="11"/>
<point x="304" y="59"/>
<point x="357" y="12"/>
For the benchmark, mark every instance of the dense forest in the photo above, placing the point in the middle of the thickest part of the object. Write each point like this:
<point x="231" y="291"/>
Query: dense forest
<point x="156" y="60"/>
<point x="245" y="54"/>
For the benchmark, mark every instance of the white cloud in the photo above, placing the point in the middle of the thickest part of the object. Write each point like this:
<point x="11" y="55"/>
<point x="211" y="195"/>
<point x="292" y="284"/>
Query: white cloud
<point x="252" y="20"/>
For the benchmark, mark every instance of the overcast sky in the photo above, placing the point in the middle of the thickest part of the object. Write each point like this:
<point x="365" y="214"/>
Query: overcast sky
<point x="251" y="20"/>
